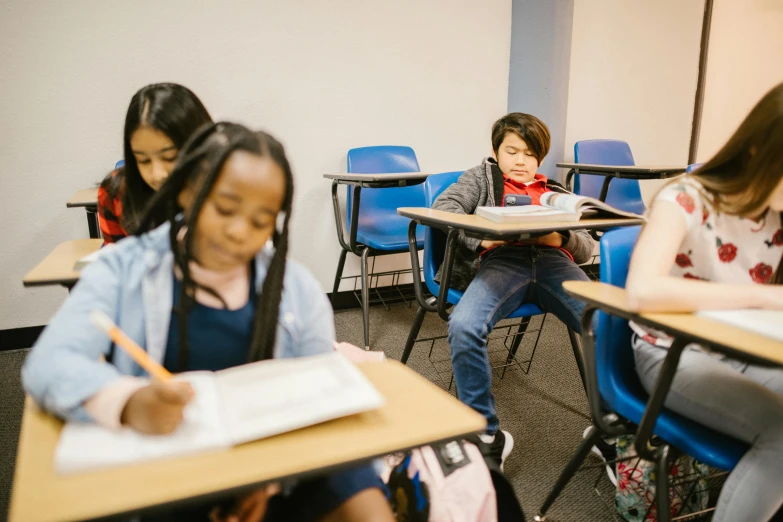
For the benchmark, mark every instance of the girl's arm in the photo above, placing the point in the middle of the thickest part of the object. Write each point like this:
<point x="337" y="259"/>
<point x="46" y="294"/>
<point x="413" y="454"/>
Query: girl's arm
<point x="651" y="289"/>
<point x="316" y="318"/>
<point x="65" y="366"/>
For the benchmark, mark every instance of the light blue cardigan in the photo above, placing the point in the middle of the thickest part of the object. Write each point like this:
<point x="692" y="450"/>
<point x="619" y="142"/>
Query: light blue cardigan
<point x="132" y="283"/>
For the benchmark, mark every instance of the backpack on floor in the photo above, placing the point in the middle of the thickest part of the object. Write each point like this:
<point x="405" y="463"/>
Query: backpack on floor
<point x="636" y="489"/>
<point x="450" y="482"/>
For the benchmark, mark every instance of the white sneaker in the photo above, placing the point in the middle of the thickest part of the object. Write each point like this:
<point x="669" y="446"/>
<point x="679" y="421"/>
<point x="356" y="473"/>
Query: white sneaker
<point x="606" y="451"/>
<point x="499" y="447"/>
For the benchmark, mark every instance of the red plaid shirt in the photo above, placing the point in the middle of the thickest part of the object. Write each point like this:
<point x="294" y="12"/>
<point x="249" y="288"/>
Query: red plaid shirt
<point x="110" y="215"/>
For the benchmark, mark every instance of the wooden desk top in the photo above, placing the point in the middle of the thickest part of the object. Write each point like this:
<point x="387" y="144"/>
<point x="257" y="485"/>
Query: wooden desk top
<point x="58" y="267"/>
<point x="720" y="336"/>
<point x="416" y="413"/>
<point x="84" y="198"/>
<point x="478" y="226"/>
<point x="625" y="171"/>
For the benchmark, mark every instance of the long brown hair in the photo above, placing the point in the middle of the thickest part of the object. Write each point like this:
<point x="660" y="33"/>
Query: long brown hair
<point x="750" y="165"/>
<point x="747" y="169"/>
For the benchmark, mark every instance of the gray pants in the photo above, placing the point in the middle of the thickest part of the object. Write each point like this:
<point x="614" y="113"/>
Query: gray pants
<point x="743" y="401"/>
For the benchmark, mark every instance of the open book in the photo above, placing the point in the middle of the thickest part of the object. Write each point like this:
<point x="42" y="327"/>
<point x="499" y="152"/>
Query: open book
<point x="230" y="407"/>
<point x="768" y="323"/>
<point x="554" y="207"/>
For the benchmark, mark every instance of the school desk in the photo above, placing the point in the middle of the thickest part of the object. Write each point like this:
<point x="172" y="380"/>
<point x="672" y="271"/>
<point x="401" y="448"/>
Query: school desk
<point x="614" y="171"/>
<point x="481" y="228"/>
<point x="416" y="413"/>
<point x="685" y="328"/>
<point x="359" y="181"/>
<point x="58" y="268"/>
<point x="88" y="199"/>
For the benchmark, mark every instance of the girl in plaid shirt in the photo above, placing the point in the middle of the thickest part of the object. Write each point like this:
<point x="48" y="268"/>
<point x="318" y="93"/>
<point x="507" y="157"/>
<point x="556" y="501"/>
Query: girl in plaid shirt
<point x="161" y="117"/>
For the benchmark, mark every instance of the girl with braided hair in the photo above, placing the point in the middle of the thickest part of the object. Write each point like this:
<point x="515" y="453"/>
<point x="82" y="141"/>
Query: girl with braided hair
<point x="206" y="288"/>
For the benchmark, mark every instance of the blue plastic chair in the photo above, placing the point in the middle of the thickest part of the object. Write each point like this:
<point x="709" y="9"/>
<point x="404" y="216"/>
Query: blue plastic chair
<point x="380" y="230"/>
<point x="434" y="251"/>
<point x="623" y="394"/>
<point x="624" y="194"/>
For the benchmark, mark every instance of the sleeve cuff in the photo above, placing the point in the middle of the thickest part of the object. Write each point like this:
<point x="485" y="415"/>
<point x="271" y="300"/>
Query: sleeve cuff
<point x="105" y="406"/>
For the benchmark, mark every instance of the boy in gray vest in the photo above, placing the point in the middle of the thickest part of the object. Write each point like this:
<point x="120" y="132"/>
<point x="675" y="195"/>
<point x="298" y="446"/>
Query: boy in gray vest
<point x="498" y="276"/>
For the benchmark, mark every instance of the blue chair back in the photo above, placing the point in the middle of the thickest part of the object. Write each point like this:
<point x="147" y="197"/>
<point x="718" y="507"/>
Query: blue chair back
<point x="434" y="239"/>
<point x="624" y="194"/>
<point x="618" y="382"/>
<point x="692" y="167"/>
<point x="120" y="163"/>
<point x="377" y="160"/>
<point x="617" y="377"/>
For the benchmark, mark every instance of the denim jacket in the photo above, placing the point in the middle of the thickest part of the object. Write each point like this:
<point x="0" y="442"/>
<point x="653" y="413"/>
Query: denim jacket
<point x="132" y="283"/>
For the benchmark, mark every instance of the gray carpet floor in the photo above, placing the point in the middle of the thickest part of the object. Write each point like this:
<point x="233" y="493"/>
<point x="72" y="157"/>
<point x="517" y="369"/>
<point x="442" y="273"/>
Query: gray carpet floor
<point x="544" y="410"/>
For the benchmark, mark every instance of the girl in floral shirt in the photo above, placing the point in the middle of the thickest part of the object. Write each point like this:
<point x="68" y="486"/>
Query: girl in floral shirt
<point x="714" y="240"/>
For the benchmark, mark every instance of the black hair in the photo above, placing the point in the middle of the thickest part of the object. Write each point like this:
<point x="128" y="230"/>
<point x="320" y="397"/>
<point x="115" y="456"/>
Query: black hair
<point x="199" y="165"/>
<point x="528" y="128"/>
<point x="168" y="107"/>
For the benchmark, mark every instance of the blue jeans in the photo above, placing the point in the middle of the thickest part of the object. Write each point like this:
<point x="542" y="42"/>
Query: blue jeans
<point x="508" y="276"/>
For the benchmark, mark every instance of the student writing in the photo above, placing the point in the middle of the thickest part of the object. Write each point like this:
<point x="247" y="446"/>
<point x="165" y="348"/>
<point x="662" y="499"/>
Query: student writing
<point x="206" y="290"/>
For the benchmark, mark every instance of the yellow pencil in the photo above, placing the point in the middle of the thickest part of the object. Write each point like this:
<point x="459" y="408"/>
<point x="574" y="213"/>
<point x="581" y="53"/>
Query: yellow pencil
<point x="102" y="321"/>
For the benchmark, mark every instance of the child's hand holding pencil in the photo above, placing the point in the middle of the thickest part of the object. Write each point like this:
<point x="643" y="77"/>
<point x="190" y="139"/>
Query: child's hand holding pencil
<point x="156" y="408"/>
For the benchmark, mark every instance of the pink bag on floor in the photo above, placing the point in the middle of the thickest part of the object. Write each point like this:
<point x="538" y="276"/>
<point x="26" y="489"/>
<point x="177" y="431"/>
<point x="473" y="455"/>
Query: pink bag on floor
<point x="443" y="483"/>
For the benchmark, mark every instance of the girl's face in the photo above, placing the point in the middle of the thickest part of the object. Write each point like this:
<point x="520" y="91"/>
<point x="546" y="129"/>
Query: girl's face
<point x="239" y="214"/>
<point x="155" y="155"/>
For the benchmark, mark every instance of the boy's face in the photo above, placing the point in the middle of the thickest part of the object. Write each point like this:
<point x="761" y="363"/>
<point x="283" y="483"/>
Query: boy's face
<point x="515" y="160"/>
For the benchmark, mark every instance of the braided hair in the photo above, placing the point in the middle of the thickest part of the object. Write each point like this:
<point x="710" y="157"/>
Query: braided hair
<point x="199" y="164"/>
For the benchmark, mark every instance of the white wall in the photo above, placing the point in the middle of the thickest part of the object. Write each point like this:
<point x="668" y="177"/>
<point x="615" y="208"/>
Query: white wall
<point x="743" y="63"/>
<point x="322" y="76"/>
<point x="633" y="76"/>
<point x="540" y="65"/>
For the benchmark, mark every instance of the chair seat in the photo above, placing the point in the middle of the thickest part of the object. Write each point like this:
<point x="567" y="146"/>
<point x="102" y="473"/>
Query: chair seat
<point x="701" y="443"/>
<point x="454" y="296"/>
<point x="387" y="232"/>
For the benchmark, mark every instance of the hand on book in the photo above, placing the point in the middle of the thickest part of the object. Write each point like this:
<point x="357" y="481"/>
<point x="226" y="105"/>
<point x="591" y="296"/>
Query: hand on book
<point x="157" y="408"/>
<point x="250" y="508"/>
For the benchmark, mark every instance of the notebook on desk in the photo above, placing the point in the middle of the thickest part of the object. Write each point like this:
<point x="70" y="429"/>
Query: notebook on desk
<point x="231" y="407"/>
<point x="768" y="323"/>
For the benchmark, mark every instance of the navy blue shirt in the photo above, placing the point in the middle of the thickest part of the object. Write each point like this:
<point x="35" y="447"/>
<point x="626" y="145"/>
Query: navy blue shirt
<point x="218" y="338"/>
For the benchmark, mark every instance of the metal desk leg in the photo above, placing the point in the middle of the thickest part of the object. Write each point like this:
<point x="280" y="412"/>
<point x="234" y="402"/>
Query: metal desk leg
<point x="445" y="277"/>
<point x="92" y="222"/>
<point x="655" y="402"/>
<point x="605" y="188"/>
<point x="569" y="179"/>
